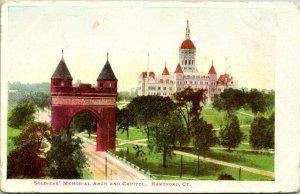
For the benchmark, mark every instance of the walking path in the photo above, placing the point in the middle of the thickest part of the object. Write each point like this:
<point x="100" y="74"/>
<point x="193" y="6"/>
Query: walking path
<point x="245" y="114"/>
<point x="104" y="166"/>
<point x="220" y="162"/>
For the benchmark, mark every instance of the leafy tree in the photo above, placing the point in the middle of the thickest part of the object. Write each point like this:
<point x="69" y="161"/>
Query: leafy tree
<point x="189" y="104"/>
<point x="66" y="158"/>
<point x="166" y="133"/>
<point x="21" y="114"/>
<point x="230" y="100"/>
<point x="262" y="132"/>
<point x="203" y="137"/>
<point x="84" y="121"/>
<point x="25" y="162"/>
<point x="148" y="109"/>
<point x="231" y="135"/>
<point x="257" y="101"/>
<point x="125" y="118"/>
<point x="34" y="133"/>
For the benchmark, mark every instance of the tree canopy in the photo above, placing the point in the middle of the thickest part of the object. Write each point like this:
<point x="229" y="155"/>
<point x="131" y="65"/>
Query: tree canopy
<point x="66" y="159"/>
<point x="84" y="121"/>
<point x="21" y="114"/>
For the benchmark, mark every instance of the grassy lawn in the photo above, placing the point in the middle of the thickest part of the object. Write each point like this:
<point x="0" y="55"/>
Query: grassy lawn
<point x="208" y="171"/>
<point x="262" y="161"/>
<point x="134" y="134"/>
<point x="11" y="133"/>
<point x="87" y="174"/>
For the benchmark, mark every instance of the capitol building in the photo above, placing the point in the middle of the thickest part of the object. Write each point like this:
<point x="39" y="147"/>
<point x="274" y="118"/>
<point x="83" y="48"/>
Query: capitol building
<point x="185" y="75"/>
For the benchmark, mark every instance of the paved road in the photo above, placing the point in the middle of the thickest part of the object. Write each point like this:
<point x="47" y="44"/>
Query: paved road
<point x="116" y="170"/>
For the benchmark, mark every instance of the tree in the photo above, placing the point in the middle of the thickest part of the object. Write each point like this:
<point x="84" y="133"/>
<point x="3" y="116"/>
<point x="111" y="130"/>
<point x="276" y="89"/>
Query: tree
<point x="146" y="110"/>
<point x="27" y="160"/>
<point x="230" y="100"/>
<point x="203" y="137"/>
<point x="84" y="121"/>
<point x="34" y="133"/>
<point x="262" y="132"/>
<point x="21" y="114"/>
<point x="66" y="159"/>
<point x="125" y="118"/>
<point x="231" y="135"/>
<point x="189" y="104"/>
<point x="166" y="132"/>
<point x="40" y="99"/>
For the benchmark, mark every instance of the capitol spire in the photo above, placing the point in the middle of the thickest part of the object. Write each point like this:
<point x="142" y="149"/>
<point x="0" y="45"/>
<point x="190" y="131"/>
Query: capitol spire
<point x="187" y="30"/>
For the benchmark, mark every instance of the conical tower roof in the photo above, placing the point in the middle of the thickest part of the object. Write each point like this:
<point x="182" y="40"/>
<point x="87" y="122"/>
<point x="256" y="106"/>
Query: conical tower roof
<point x="212" y="69"/>
<point x="165" y="72"/>
<point x="178" y="69"/>
<point x="106" y="73"/>
<point x="61" y="71"/>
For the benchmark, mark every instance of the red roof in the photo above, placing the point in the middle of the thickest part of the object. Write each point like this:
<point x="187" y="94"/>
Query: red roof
<point x="178" y="69"/>
<point x="151" y="74"/>
<point x="224" y="79"/>
<point x="187" y="44"/>
<point x="165" y="72"/>
<point x="212" y="69"/>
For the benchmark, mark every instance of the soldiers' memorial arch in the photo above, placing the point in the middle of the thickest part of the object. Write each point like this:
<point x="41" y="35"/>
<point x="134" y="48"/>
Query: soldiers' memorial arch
<point x="100" y="102"/>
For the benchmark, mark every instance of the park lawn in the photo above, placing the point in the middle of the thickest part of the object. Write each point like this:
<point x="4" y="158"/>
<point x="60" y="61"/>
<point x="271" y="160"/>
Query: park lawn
<point x="262" y="161"/>
<point x="134" y="134"/>
<point x="87" y="174"/>
<point x="121" y="105"/>
<point x="207" y="171"/>
<point x="246" y="132"/>
<point x="11" y="133"/>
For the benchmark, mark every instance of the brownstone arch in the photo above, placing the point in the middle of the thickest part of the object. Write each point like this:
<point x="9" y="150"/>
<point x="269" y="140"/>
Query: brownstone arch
<point x="98" y="101"/>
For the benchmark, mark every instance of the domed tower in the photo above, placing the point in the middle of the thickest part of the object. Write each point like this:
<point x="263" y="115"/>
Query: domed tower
<point x="187" y="53"/>
<point x="107" y="81"/>
<point x="61" y="80"/>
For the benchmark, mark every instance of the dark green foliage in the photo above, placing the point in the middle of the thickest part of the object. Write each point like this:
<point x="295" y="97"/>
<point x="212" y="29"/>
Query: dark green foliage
<point x="230" y="100"/>
<point x="84" y="121"/>
<point x="231" y="135"/>
<point x="262" y="132"/>
<point x="189" y="104"/>
<point x="147" y="109"/>
<point x="257" y="101"/>
<point x="34" y="133"/>
<point x="203" y="137"/>
<point x="25" y="162"/>
<point x="166" y="133"/>
<point x="66" y="159"/>
<point x="224" y="176"/>
<point x="21" y="114"/>
<point x="125" y="118"/>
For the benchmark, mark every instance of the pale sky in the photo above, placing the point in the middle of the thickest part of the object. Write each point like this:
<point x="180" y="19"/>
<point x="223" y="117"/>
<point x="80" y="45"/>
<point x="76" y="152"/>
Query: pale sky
<point x="246" y="35"/>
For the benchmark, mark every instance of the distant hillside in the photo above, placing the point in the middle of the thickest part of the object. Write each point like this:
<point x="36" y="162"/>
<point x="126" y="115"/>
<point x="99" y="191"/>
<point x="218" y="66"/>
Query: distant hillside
<point x="38" y="93"/>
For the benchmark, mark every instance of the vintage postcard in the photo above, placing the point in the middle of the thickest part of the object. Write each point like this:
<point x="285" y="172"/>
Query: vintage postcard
<point x="142" y="96"/>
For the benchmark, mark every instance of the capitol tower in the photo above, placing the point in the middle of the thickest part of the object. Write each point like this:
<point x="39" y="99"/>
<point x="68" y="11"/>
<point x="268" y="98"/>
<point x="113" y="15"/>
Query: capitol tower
<point x="187" y="53"/>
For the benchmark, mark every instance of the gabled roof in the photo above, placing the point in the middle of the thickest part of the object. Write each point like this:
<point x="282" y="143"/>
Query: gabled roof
<point x="224" y="79"/>
<point x="178" y="69"/>
<point x="61" y="71"/>
<point x="106" y="73"/>
<point x="151" y="74"/>
<point x="165" y="72"/>
<point x="212" y="69"/>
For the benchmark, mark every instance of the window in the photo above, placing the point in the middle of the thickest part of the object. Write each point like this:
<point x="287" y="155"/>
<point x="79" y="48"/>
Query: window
<point x="62" y="83"/>
<point x="158" y="88"/>
<point x="186" y="62"/>
<point x="170" y="88"/>
<point x="189" y="62"/>
<point x="55" y="83"/>
<point x="165" y="88"/>
<point x="101" y="85"/>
